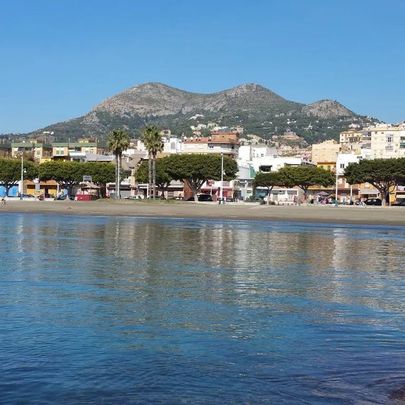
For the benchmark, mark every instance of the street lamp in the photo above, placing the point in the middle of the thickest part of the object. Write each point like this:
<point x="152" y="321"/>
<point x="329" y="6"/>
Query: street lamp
<point x="22" y="176"/>
<point x="336" y="181"/>
<point x="221" y="196"/>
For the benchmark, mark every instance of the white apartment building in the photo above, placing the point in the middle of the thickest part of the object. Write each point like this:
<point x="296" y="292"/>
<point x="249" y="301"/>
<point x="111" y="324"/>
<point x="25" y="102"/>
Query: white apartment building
<point x="381" y="141"/>
<point x="252" y="159"/>
<point x="387" y="141"/>
<point x="248" y="152"/>
<point x="343" y="160"/>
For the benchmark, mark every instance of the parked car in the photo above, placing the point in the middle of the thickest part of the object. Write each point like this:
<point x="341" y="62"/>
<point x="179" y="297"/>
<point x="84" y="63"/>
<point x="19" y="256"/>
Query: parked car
<point x="201" y="197"/>
<point x="28" y="197"/>
<point x="133" y="197"/>
<point x="399" y="203"/>
<point x="373" y="201"/>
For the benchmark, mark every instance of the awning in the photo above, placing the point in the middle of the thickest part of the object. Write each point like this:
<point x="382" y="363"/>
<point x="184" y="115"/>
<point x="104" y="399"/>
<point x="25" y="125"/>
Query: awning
<point x="369" y="191"/>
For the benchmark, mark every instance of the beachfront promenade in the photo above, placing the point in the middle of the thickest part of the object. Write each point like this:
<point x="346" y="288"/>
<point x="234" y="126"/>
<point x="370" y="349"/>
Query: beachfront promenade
<point x="246" y="211"/>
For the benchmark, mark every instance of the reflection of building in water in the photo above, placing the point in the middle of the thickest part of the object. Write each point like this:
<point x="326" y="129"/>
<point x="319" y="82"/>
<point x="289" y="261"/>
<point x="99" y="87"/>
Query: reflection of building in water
<point x="157" y="268"/>
<point x="361" y="262"/>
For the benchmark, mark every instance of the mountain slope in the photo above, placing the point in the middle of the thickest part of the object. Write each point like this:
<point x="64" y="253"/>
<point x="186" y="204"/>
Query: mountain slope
<point x="257" y="109"/>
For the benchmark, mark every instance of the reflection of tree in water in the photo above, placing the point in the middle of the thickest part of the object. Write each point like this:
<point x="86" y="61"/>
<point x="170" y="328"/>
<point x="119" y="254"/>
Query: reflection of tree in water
<point x="157" y="267"/>
<point x="225" y="257"/>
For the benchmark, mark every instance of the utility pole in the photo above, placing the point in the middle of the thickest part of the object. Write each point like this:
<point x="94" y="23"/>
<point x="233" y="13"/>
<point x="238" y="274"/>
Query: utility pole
<point x="22" y="176"/>
<point x="337" y="181"/>
<point x="221" y="196"/>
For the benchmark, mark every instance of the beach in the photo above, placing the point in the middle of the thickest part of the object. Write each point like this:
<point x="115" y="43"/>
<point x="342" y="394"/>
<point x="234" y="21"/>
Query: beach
<point x="242" y="211"/>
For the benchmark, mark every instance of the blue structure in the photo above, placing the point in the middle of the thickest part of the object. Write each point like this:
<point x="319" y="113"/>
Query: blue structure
<point x="13" y="192"/>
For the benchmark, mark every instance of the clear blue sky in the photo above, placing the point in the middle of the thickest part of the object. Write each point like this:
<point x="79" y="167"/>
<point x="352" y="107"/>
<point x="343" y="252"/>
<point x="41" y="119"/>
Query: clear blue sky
<point x="59" y="58"/>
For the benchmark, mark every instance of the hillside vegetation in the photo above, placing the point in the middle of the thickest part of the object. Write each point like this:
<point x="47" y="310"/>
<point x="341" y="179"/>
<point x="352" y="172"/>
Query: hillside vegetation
<point x="259" y="110"/>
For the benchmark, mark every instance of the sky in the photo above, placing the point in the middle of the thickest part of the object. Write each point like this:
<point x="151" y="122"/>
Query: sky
<point x="60" y="58"/>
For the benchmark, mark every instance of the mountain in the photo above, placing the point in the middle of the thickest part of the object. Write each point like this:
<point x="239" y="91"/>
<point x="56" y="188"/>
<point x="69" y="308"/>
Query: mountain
<point x="259" y="110"/>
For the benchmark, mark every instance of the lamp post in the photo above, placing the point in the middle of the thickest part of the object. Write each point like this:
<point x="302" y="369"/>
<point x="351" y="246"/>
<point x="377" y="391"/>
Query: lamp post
<point x="221" y="195"/>
<point x="22" y="176"/>
<point x="336" y="181"/>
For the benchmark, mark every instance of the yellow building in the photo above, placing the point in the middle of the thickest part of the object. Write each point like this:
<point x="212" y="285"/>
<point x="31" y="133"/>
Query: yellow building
<point x="36" y="150"/>
<point x="75" y="150"/>
<point x="46" y="188"/>
<point x="325" y="151"/>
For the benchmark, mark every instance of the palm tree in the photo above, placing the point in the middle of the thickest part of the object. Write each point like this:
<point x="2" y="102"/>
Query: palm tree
<point x="153" y="143"/>
<point x="118" y="141"/>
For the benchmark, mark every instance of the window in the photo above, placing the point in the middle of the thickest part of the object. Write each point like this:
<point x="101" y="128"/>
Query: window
<point x="342" y="165"/>
<point x="389" y="138"/>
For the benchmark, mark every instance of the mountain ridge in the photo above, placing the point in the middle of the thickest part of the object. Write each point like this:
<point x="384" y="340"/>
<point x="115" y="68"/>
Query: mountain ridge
<point x="259" y="110"/>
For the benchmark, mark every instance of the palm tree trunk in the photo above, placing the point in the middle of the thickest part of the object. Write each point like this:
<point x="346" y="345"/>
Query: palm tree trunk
<point x="116" y="176"/>
<point x="154" y="176"/>
<point x="149" y="175"/>
<point x="119" y="178"/>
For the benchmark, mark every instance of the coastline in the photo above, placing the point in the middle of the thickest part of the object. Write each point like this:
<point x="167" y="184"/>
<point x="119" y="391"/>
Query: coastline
<point x="391" y="216"/>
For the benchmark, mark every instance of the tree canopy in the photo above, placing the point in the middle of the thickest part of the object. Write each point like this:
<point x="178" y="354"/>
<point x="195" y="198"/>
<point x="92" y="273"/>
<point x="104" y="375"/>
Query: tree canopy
<point x="118" y="141"/>
<point x="65" y="173"/>
<point x="163" y="178"/>
<point x="101" y="172"/>
<point x="68" y="174"/>
<point x="268" y="180"/>
<point x="383" y="174"/>
<point x="305" y="177"/>
<point x="152" y="140"/>
<point x="10" y="172"/>
<point x="195" y="169"/>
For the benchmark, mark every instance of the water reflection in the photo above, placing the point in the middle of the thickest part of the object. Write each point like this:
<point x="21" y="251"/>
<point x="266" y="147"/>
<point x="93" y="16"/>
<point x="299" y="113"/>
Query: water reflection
<point x="273" y="301"/>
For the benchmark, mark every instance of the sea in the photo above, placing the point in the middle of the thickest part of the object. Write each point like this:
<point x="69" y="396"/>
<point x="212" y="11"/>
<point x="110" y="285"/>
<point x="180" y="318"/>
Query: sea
<point x="158" y="310"/>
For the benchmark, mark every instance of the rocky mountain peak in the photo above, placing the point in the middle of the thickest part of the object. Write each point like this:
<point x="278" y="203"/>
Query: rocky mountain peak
<point x="259" y="110"/>
<point x="327" y="109"/>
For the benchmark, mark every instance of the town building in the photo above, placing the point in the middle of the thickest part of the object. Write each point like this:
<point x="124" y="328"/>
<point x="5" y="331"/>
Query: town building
<point x="351" y="141"/>
<point x="76" y="150"/>
<point x="253" y="159"/>
<point x="387" y="141"/>
<point x="38" y="151"/>
<point x="325" y="151"/>
<point x="218" y="142"/>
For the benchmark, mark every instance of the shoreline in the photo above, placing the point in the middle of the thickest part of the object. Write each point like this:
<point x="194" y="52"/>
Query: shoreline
<point x="392" y="216"/>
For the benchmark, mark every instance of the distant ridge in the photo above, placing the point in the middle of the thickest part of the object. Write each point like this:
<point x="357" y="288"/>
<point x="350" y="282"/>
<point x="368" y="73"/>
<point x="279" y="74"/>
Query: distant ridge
<point x="259" y="110"/>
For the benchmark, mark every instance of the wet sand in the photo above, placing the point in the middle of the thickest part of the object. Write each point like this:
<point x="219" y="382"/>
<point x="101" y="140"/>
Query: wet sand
<point x="245" y="211"/>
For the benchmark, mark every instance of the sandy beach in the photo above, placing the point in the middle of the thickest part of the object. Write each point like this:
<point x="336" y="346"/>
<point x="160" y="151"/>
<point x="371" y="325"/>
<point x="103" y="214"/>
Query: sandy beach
<point x="245" y="211"/>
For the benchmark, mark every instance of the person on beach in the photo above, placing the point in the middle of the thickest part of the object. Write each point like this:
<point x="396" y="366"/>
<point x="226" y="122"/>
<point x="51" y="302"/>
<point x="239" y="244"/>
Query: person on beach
<point x="3" y="201"/>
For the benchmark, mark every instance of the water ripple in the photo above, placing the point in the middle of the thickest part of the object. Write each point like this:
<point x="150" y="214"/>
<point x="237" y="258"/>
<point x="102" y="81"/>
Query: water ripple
<point x="101" y="310"/>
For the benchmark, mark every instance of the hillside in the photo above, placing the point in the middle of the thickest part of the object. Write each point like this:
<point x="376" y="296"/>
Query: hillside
<point x="257" y="109"/>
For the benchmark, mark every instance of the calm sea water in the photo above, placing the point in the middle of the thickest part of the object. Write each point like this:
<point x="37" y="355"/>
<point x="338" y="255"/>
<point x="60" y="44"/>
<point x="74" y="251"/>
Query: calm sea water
<point x="192" y="311"/>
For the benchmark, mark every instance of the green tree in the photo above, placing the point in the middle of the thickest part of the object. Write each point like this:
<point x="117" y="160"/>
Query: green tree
<point x="163" y="178"/>
<point x="383" y="174"/>
<point x="195" y="169"/>
<point x="268" y="180"/>
<point x="153" y="143"/>
<point x="305" y="177"/>
<point x="66" y="173"/>
<point x="10" y="172"/>
<point x="101" y="173"/>
<point x="117" y="142"/>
